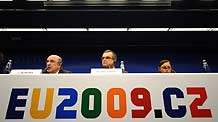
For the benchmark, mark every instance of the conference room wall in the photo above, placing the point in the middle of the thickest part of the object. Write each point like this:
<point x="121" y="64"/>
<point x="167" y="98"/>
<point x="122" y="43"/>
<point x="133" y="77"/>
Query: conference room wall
<point x="141" y="51"/>
<point x="136" y="61"/>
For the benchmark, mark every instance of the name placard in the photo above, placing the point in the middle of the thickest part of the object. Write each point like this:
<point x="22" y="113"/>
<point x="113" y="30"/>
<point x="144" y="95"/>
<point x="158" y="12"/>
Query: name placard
<point x="106" y="71"/>
<point x="25" y="71"/>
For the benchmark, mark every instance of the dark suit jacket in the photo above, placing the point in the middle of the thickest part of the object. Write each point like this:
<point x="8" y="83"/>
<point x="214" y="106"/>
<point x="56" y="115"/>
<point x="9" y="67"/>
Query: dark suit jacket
<point x="61" y="71"/>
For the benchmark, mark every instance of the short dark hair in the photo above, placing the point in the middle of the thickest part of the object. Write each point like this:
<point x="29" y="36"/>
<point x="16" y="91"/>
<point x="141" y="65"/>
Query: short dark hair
<point x="164" y="61"/>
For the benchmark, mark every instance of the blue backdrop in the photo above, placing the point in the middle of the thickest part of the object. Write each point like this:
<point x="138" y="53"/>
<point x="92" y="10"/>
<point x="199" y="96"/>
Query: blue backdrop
<point x="141" y="51"/>
<point x="135" y="62"/>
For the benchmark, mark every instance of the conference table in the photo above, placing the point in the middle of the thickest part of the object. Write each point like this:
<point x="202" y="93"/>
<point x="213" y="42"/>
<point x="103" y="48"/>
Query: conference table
<point x="127" y="97"/>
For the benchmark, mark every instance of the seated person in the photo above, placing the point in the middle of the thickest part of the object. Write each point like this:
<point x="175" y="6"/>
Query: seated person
<point x="165" y="66"/>
<point x="109" y="59"/>
<point x="54" y="65"/>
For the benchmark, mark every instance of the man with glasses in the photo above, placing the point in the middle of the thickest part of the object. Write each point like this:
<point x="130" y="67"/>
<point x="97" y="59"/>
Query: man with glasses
<point x="108" y="59"/>
<point x="54" y="65"/>
<point x="165" y="66"/>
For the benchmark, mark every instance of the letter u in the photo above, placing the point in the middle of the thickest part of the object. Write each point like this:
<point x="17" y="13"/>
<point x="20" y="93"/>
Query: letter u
<point x="41" y="114"/>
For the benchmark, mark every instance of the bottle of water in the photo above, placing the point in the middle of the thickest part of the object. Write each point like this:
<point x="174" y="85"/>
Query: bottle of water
<point x="205" y="66"/>
<point x="8" y="66"/>
<point x="122" y="66"/>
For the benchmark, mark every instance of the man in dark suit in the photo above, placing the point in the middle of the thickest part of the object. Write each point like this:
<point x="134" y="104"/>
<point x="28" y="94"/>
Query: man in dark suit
<point x="109" y="59"/>
<point x="54" y="65"/>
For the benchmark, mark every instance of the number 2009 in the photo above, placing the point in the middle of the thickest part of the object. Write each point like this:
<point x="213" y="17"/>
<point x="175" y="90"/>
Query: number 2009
<point x="139" y="97"/>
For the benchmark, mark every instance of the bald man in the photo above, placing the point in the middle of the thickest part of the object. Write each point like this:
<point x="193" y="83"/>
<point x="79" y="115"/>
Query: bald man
<point x="54" y="65"/>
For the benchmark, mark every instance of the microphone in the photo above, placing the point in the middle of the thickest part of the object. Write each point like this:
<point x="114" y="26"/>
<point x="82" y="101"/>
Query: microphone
<point x="8" y="66"/>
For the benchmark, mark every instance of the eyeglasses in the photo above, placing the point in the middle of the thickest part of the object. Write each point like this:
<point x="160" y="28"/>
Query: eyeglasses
<point x="102" y="58"/>
<point x="166" y="67"/>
